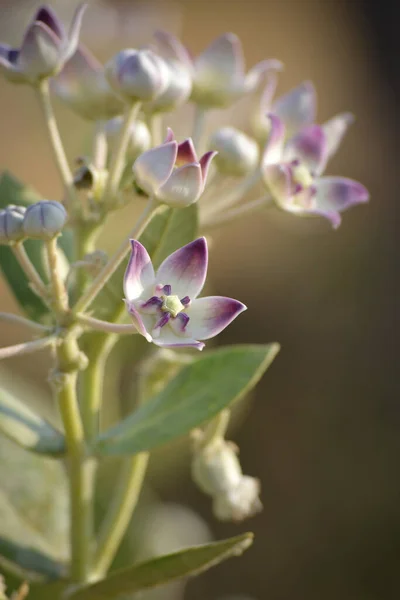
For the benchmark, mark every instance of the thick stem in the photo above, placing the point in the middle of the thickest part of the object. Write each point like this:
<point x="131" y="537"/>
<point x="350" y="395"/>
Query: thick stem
<point x="125" y="499"/>
<point x="85" y="237"/>
<point x="55" y="139"/>
<point x="36" y="281"/>
<point x="80" y="466"/>
<point x="97" y="285"/>
<point x="59" y="292"/>
<point x="118" y="159"/>
<point x="198" y="126"/>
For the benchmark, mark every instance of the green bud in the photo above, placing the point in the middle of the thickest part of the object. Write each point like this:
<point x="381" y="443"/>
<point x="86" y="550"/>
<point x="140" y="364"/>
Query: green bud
<point x="11" y="224"/>
<point x="238" y="153"/>
<point x="44" y="220"/>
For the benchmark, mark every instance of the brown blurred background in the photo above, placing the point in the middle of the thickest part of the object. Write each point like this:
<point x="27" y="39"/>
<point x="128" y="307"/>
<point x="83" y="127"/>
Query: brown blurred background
<point x="323" y="432"/>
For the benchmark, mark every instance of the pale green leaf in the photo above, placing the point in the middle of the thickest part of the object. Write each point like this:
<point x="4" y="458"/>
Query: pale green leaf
<point x="198" y="393"/>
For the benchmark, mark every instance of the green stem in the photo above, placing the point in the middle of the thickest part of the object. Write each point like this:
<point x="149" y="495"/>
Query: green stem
<point x="33" y="276"/>
<point x="55" y="139"/>
<point x="155" y="125"/>
<point x="59" y="292"/>
<point x="125" y="499"/>
<point x="85" y="237"/>
<point x="227" y="200"/>
<point x="79" y="465"/>
<point x="26" y="347"/>
<point x="118" y="159"/>
<point x="17" y="320"/>
<point x="97" y="285"/>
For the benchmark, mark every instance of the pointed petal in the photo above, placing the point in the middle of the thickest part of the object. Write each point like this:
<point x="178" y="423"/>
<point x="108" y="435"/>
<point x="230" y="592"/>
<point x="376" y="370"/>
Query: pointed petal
<point x="297" y="108"/>
<point x="72" y="40"/>
<point x="169" y="339"/>
<point x="186" y="269"/>
<point x="186" y="153"/>
<point x="274" y="147"/>
<point x="183" y="187"/>
<point x="138" y="320"/>
<point x="209" y="316"/>
<point x="259" y="76"/>
<point x="310" y="147"/>
<point x="223" y="57"/>
<point x="339" y="193"/>
<point x="40" y="52"/>
<point x="139" y="273"/>
<point x="205" y="162"/>
<point x="171" y="49"/>
<point x="155" y="166"/>
<point x="170" y="137"/>
<point x="278" y="181"/>
<point x="46" y="15"/>
<point x="335" y="130"/>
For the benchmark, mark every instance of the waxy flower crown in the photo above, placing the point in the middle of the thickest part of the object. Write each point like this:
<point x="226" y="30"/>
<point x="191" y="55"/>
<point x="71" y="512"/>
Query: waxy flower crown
<point x="136" y="159"/>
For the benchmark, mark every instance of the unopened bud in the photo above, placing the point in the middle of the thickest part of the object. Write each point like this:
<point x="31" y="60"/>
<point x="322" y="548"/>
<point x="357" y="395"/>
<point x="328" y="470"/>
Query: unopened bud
<point x="138" y="75"/>
<point x="139" y="138"/>
<point x="44" y="220"/>
<point x="11" y="224"/>
<point x="238" y="153"/>
<point x="240" y="502"/>
<point x="88" y="177"/>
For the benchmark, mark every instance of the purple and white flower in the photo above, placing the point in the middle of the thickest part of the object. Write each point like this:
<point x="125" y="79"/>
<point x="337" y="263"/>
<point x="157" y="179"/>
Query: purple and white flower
<point x="45" y="48"/>
<point x="219" y="76"/>
<point x="82" y="85"/>
<point x="164" y="305"/>
<point x="172" y="172"/>
<point x="292" y="171"/>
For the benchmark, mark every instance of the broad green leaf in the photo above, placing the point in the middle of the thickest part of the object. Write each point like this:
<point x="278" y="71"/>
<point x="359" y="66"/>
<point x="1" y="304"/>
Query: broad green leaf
<point x="33" y="511"/>
<point x="13" y="191"/>
<point x="199" y="392"/>
<point x="167" y="231"/>
<point x="164" y="569"/>
<point x="26" y="428"/>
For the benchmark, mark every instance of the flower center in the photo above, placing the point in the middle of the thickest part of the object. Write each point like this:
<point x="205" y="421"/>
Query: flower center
<point x="302" y="176"/>
<point x="172" y="305"/>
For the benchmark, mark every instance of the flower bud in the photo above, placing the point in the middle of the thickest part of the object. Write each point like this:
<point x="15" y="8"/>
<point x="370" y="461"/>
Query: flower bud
<point x="139" y="141"/>
<point x="88" y="177"/>
<point x="238" y="154"/>
<point x="11" y="224"/>
<point x="44" y="220"/>
<point x="137" y="75"/>
<point x="240" y="502"/>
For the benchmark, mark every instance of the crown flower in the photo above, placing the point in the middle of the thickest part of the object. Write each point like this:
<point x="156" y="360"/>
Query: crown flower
<point x="83" y="87"/>
<point x="292" y="171"/>
<point x="172" y="172"/>
<point x="164" y="306"/>
<point x="45" y="48"/>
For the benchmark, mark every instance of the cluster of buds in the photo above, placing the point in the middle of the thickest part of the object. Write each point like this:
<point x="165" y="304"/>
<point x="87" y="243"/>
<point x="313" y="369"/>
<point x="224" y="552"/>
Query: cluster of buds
<point x="43" y="221"/>
<point x="216" y="470"/>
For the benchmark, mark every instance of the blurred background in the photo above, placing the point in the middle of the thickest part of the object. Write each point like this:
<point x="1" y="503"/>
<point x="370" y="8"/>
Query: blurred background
<point x="322" y="431"/>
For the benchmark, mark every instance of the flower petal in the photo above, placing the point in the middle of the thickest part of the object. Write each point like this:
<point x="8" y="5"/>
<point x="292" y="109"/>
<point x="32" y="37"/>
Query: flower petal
<point x="154" y="166"/>
<point x="183" y="187"/>
<point x="139" y="320"/>
<point x="297" y="108"/>
<point x="40" y="52"/>
<point x="168" y="339"/>
<point x="171" y="49"/>
<point x="259" y="76"/>
<point x="185" y="269"/>
<point x="335" y="130"/>
<point x="139" y="273"/>
<point x="273" y="149"/>
<point x="186" y="153"/>
<point x="310" y="147"/>
<point x="205" y="162"/>
<point x="71" y="41"/>
<point x="46" y="15"/>
<point x="278" y="181"/>
<point x="339" y="193"/>
<point x="209" y="316"/>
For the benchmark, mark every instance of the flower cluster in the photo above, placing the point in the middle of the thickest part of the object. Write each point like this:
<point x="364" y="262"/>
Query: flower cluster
<point x="42" y="220"/>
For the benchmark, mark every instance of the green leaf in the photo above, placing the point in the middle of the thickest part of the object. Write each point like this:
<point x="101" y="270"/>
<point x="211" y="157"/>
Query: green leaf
<point x="199" y="392"/>
<point x="164" y="569"/>
<point x="167" y="231"/>
<point x="26" y="428"/>
<point x="33" y="513"/>
<point x="13" y="191"/>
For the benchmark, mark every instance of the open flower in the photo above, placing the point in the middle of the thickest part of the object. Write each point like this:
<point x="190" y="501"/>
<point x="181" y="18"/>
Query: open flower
<point x="219" y="76"/>
<point x="44" y="50"/>
<point x="164" y="304"/>
<point x="292" y="172"/>
<point x="156" y="174"/>
<point x="82" y="85"/>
